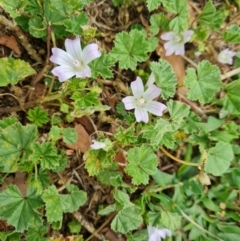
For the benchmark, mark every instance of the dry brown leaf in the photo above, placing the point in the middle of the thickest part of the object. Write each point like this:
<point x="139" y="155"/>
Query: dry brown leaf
<point x="11" y="43"/>
<point x="83" y="142"/>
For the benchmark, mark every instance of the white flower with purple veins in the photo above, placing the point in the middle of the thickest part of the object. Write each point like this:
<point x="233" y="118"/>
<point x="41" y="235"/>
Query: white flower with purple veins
<point x="226" y="56"/>
<point x="97" y="145"/>
<point x="157" y="234"/>
<point x="74" y="61"/>
<point x="176" y="42"/>
<point x="142" y="101"/>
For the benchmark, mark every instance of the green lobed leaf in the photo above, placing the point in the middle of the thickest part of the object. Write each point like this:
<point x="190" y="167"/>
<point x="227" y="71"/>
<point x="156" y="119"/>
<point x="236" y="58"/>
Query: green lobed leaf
<point x="7" y="121"/>
<point x="127" y="219"/>
<point x="37" y="233"/>
<point x="122" y="197"/>
<point x="107" y="210"/>
<point x="171" y="221"/>
<point x="45" y="154"/>
<point x="69" y="135"/>
<point x="142" y="162"/>
<point x="153" y="4"/>
<point x="219" y="158"/>
<point x="13" y="7"/>
<point x="74" y="22"/>
<point x="14" y="70"/>
<point x="19" y="211"/>
<point x="204" y="82"/>
<point x="127" y="50"/>
<point x="53" y="204"/>
<point x="158" y="21"/>
<point x="125" y="136"/>
<point x="37" y="27"/>
<point x="207" y="14"/>
<point x="55" y="133"/>
<point x="71" y="202"/>
<point x="231" y="99"/>
<point x="165" y="78"/>
<point x="38" y="116"/>
<point x="85" y="100"/>
<point x="16" y="145"/>
<point x="102" y="66"/>
<point x="232" y="35"/>
<point x="74" y="226"/>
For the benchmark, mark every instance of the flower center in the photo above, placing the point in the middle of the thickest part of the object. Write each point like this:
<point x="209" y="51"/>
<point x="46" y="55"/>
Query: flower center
<point x="141" y="102"/>
<point x="77" y="64"/>
<point x="178" y="38"/>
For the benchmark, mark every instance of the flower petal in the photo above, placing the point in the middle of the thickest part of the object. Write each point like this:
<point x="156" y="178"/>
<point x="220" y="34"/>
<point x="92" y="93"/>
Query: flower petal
<point x="61" y="57"/>
<point x="141" y="114"/>
<point x="180" y="49"/>
<point x="97" y="145"/>
<point x="91" y="52"/>
<point x="129" y="102"/>
<point x="152" y="92"/>
<point x="170" y="47"/>
<point x="168" y="36"/>
<point x="73" y="47"/>
<point x="86" y="72"/>
<point x="163" y="233"/>
<point x="63" y="72"/>
<point x="155" y="108"/>
<point x="151" y="80"/>
<point x="137" y="87"/>
<point x="154" y="237"/>
<point x="187" y="35"/>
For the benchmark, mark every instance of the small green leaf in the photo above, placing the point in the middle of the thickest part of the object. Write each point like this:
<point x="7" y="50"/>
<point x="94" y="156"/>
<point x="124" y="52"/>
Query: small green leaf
<point x="69" y="135"/>
<point x="171" y="221"/>
<point x="45" y="154"/>
<point x="127" y="49"/>
<point x="158" y="21"/>
<point x="153" y="4"/>
<point x="53" y="204"/>
<point x="142" y="162"/>
<point x="37" y="27"/>
<point x="14" y="8"/>
<point x="7" y="121"/>
<point x="55" y="133"/>
<point x="37" y="233"/>
<point x="165" y="78"/>
<point x="74" y="22"/>
<point x="19" y="211"/>
<point x="107" y="210"/>
<point x="71" y="202"/>
<point x="207" y="14"/>
<point x="127" y="219"/>
<point x="74" y="226"/>
<point x="38" y="116"/>
<point x="219" y="158"/>
<point x="203" y="84"/>
<point x="82" y="101"/>
<point x="232" y="35"/>
<point x="231" y="99"/>
<point x="122" y="197"/>
<point x="102" y="66"/>
<point x="16" y="145"/>
<point x="126" y="136"/>
<point x="14" y="70"/>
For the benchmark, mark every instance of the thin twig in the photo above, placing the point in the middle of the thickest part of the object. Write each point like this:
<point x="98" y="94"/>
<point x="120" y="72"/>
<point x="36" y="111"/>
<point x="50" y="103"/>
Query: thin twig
<point x="230" y="73"/>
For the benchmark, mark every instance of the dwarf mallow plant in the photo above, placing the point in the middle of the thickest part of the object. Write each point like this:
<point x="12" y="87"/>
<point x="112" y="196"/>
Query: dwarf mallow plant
<point x="157" y="234"/>
<point x="176" y="42"/>
<point x="74" y="61"/>
<point x="226" y="56"/>
<point x="142" y="101"/>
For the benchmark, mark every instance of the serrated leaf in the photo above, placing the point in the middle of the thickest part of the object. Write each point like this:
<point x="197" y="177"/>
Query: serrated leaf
<point x="19" y="211"/>
<point x="107" y="210"/>
<point x="45" y="154"/>
<point x="14" y="8"/>
<point x="53" y="204"/>
<point x="16" y="145"/>
<point x="74" y="22"/>
<point x="219" y="158"/>
<point x="38" y="116"/>
<point x="158" y="21"/>
<point x="5" y="122"/>
<point x="37" y="27"/>
<point x="126" y="136"/>
<point x="122" y="197"/>
<point x="207" y="14"/>
<point x="153" y="4"/>
<point x="71" y="202"/>
<point x="231" y="99"/>
<point x="142" y="162"/>
<point x="37" y="233"/>
<point x="178" y="111"/>
<point x="14" y="70"/>
<point x="69" y="135"/>
<point x="87" y="100"/>
<point x="180" y="22"/>
<point x="204" y="82"/>
<point x="232" y="35"/>
<point x="67" y="8"/>
<point x="171" y="221"/>
<point x="127" y="49"/>
<point x="165" y="78"/>
<point x="102" y="66"/>
<point x="55" y="133"/>
<point x="127" y="219"/>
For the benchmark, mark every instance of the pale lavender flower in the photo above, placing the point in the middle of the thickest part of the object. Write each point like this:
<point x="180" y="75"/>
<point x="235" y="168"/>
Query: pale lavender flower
<point x="74" y="61"/>
<point x="97" y="145"/>
<point x="226" y="56"/>
<point x="176" y="42"/>
<point x="157" y="234"/>
<point x="142" y="101"/>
